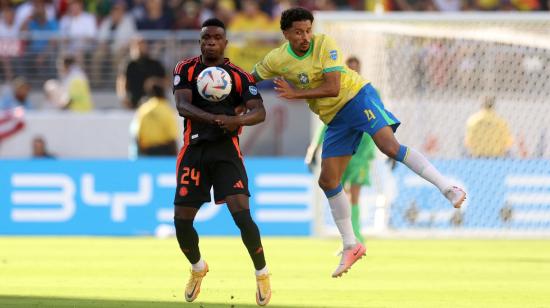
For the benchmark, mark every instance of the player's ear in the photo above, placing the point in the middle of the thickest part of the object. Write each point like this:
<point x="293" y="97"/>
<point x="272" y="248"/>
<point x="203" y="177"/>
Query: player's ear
<point x="285" y="33"/>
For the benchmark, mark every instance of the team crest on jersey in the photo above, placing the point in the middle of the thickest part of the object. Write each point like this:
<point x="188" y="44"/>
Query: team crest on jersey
<point x="253" y="90"/>
<point x="304" y="79"/>
<point x="333" y="54"/>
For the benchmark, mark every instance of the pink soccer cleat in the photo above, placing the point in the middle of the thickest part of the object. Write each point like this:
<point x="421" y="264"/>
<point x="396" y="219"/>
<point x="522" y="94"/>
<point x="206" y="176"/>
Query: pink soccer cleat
<point x="349" y="257"/>
<point x="455" y="195"/>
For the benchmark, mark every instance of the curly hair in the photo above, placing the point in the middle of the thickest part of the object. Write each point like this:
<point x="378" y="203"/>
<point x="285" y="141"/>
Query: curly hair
<point x="294" y="14"/>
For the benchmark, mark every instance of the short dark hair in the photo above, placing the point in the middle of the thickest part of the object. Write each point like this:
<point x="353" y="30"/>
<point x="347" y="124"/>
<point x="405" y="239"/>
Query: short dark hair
<point x="154" y="87"/>
<point x="294" y="14"/>
<point x="213" y="22"/>
<point x="68" y="60"/>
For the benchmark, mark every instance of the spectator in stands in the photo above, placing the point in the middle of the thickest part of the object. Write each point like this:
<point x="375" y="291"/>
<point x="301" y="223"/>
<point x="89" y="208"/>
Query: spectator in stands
<point x="17" y="95"/>
<point x="75" y="92"/>
<point x="78" y="28"/>
<point x="28" y="8"/>
<point x="39" y="148"/>
<point x="187" y="16"/>
<point x="251" y="18"/>
<point x="155" y="17"/>
<point x="413" y="5"/>
<point x="130" y="84"/>
<point x="154" y="125"/>
<point x="252" y="46"/>
<point x="487" y="133"/>
<point x="115" y="33"/>
<point x="10" y="45"/>
<point x="41" y="47"/>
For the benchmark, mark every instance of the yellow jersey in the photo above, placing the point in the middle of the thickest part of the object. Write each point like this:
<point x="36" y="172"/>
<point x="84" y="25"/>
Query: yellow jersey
<point x="306" y="72"/>
<point x="487" y="134"/>
<point x="156" y="123"/>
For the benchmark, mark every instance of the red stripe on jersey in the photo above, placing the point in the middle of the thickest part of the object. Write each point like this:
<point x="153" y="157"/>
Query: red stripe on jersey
<point x="238" y="82"/>
<point x="186" y="139"/>
<point x="190" y="72"/>
<point x="249" y="77"/>
<point x="237" y="147"/>
<point x="182" y="63"/>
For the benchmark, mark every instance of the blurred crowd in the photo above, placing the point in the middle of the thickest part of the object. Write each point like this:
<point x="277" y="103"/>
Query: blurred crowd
<point x="37" y="36"/>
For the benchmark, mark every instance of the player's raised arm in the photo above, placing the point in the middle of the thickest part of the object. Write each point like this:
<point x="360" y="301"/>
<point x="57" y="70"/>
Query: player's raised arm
<point x="188" y="110"/>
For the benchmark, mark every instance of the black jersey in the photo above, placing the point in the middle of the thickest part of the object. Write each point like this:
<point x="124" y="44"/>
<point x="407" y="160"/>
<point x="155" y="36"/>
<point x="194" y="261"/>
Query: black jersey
<point x="243" y="89"/>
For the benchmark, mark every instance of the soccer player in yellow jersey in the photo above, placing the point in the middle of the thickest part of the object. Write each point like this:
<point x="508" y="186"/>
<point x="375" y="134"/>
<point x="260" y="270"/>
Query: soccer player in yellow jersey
<point x="310" y="66"/>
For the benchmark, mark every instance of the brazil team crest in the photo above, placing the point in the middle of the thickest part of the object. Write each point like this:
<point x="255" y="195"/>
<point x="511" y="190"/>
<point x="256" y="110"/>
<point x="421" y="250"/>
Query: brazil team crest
<point x="304" y="79"/>
<point x="333" y="54"/>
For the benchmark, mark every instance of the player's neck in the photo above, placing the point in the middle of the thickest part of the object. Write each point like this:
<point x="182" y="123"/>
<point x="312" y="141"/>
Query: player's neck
<point x="212" y="62"/>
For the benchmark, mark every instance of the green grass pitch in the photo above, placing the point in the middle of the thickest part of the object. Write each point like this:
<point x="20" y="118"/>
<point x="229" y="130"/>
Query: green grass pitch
<point x="149" y="272"/>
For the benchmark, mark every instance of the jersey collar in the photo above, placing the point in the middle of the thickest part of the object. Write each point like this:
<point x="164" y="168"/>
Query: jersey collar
<point x="309" y="51"/>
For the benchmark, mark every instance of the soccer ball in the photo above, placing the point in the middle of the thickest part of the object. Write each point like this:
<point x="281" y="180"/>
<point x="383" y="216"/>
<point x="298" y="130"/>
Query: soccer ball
<point x="214" y="84"/>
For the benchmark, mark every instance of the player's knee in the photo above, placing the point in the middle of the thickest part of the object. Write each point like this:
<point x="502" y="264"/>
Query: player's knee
<point x="391" y="149"/>
<point x="326" y="183"/>
<point x="183" y="225"/>
<point x="242" y="219"/>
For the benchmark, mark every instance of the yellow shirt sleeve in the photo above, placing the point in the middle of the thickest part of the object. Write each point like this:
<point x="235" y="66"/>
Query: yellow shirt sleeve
<point x="265" y="68"/>
<point x="330" y="56"/>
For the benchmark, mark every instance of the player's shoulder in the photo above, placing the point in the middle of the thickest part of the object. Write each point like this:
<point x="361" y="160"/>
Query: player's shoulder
<point x="235" y="69"/>
<point x="277" y="53"/>
<point x="321" y="39"/>
<point x="186" y="63"/>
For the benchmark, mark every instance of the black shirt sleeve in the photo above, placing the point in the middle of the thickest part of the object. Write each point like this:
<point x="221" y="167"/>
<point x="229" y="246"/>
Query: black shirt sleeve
<point x="249" y="89"/>
<point x="180" y="79"/>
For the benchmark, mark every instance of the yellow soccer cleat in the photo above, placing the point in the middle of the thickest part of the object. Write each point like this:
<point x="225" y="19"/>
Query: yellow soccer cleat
<point x="193" y="287"/>
<point x="263" y="290"/>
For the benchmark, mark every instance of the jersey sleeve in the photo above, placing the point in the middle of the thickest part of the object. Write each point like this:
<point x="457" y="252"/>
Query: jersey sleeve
<point x="181" y="78"/>
<point x="331" y="57"/>
<point x="265" y="69"/>
<point x="249" y="90"/>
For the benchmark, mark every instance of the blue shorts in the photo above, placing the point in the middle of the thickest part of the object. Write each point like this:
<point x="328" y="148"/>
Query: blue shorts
<point x="364" y="113"/>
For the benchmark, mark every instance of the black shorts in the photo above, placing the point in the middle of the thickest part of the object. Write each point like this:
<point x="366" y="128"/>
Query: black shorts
<point x="201" y="166"/>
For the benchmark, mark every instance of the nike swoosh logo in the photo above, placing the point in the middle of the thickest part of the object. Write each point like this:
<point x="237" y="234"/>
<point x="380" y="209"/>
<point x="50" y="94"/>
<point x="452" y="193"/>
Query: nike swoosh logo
<point x="260" y="295"/>
<point x="189" y="295"/>
<point x="356" y="251"/>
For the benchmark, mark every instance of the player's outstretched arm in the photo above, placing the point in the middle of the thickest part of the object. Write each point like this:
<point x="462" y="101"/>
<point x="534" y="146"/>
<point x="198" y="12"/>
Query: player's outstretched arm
<point x="329" y="88"/>
<point x="188" y="110"/>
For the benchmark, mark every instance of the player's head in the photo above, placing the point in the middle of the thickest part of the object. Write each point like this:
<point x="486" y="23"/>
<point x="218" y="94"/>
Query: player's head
<point x="296" y="24"/>
<point x="154" y="87"/>
<point x="213" y="40"/>
<point x="354" y="64"/>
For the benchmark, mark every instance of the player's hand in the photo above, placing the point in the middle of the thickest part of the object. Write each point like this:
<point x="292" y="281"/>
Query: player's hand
<point x="284" y="89"/>
<point x="229" y="123"/>
<point x="240" y="110"/>
<point x="311" y="158"/>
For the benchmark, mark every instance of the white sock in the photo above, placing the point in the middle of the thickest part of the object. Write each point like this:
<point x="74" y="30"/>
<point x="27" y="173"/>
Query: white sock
<point x="421" y="166"/>
<point x="262" y="271"/>
<point x="341" y="213"/>
<point x="199" y="266"/>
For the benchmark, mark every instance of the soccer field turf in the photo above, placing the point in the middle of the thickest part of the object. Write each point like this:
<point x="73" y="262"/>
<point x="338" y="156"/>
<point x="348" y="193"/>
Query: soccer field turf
<point x="149" y="272"/>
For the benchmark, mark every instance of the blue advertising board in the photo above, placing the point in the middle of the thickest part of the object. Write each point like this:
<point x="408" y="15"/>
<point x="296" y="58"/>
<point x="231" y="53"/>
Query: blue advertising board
<point x="505" y="194"/>
<point x="120" y="197"/>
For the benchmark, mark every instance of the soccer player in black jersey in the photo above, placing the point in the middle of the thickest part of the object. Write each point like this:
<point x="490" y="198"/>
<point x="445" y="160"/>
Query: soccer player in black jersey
<point x="211" y="156"/>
